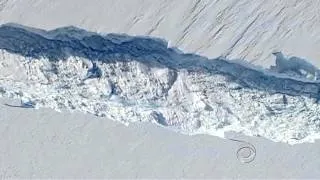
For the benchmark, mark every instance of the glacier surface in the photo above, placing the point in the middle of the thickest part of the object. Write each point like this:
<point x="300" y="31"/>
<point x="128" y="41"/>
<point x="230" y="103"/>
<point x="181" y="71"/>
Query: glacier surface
<point x="137" y="78"/>
<point x="245" y="29"/>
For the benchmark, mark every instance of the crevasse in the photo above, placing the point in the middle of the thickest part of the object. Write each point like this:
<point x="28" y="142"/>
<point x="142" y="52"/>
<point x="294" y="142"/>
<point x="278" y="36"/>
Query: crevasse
<point x="130" y="79"/>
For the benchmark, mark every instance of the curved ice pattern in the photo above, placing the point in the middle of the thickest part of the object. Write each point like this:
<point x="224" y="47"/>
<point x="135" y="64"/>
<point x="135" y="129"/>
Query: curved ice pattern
<point x="141" y="79"/>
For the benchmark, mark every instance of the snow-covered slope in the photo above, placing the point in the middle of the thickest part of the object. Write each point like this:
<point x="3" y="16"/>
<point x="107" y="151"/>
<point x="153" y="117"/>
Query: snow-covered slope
<point x="245" y="29"/>
<point x="130" y="79"/>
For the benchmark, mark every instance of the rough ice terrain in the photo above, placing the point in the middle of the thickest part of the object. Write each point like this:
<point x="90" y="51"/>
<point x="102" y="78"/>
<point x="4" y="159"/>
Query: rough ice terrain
<point x="135" y="78"/>
<point x="243" y="29"/>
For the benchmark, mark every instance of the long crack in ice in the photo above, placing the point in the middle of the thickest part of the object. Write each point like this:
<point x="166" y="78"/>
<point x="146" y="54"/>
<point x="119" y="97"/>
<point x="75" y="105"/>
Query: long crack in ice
<point x="191" y="98"/>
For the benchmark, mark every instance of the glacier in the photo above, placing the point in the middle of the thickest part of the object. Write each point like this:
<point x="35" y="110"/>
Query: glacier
<point x="137" y="78"/>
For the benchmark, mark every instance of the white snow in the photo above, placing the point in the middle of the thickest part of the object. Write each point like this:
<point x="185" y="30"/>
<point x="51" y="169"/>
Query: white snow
<point x="239" y="29"/>
<point x="45" y="144"/>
